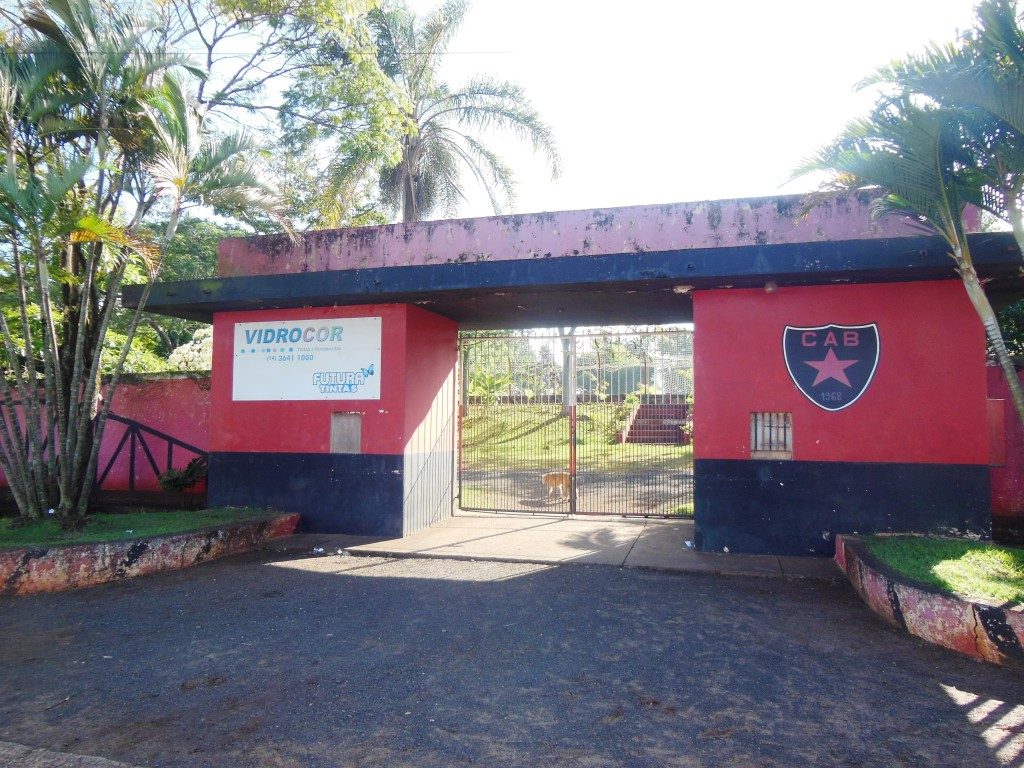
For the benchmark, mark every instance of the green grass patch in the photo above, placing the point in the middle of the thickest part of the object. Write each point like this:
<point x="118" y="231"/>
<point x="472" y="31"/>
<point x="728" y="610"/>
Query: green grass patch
<point x="537" y="437"/>
<point x="972" y="569"/>
<point x="683" y="510"/>
<point x="117" y="527"/>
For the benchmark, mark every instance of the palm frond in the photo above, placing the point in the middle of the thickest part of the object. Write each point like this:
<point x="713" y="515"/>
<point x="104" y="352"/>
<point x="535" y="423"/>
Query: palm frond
<point x="1000" y="33"/>
<point x="489" y="170"/>
<point x="444" y="122"/>
<point x="913" y="155"/>
<point x="487" y="104"/>
<point x="431" y="39"/>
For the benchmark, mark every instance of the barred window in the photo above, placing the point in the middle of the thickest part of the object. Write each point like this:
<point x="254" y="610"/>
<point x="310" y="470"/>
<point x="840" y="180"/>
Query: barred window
<point x="771" y="435"/>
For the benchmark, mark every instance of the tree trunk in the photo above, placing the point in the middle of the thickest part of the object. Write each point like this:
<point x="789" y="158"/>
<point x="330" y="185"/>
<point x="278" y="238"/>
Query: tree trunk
<point x="1013" y="213"/>
<point x="568" y="375"/>
<point x="409" y="201"/>
<point x="976" y="293"/>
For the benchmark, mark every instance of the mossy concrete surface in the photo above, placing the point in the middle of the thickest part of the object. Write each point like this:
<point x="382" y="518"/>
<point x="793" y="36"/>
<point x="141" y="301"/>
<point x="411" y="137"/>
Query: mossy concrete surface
<point x="52" y="569"/>
<point x="993" y="633"/>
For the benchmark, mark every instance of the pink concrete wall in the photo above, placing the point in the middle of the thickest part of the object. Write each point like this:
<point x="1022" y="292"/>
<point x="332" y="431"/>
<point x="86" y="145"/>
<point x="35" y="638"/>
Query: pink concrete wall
<point x="175" y="404"/>
<point x="1008" y="479"/>
<point x="676" y="226"/>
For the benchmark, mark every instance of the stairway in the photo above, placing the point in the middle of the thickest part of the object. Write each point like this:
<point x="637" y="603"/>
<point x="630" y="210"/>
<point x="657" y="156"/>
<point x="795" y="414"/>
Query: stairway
<point x="658" y="423"/>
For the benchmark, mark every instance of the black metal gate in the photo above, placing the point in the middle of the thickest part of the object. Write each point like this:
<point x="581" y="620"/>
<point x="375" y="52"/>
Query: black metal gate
<point x="580" y="423"/>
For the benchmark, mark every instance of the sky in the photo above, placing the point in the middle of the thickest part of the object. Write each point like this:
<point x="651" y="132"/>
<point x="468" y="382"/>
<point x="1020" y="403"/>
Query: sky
<point x="659" y="102"/>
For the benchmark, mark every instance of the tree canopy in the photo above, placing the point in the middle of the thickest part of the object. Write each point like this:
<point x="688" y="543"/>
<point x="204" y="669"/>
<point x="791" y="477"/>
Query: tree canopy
<point x="405" y="154"/>
<point x="100" y="130"/>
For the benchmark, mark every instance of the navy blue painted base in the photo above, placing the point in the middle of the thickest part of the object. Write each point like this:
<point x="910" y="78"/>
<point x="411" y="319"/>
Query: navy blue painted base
<point x="797" y="507"/>
<point x="334" y="493"/>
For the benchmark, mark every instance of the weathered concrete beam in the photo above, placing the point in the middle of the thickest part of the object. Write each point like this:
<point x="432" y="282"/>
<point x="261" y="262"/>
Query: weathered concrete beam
<point x="598" y="232"/>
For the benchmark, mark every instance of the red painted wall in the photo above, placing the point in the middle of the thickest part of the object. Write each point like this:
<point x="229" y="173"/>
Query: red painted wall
<point x="305" y="426"/>
<point x="432" y="352"/>
<point x="926" y="403"/>
<point x="418" y="351"/>
<point x="1008" y="479"/>
<point x="176" y="404"/>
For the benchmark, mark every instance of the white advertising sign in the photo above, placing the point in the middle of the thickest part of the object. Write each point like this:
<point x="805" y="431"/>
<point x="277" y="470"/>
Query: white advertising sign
<point x="322" y="359"/>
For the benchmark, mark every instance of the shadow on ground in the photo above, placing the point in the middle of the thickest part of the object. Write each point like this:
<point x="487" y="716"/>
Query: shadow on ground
<point x="266" y="660"/>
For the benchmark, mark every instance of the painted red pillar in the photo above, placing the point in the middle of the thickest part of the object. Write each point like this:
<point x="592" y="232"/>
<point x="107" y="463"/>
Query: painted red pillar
<point x="344" y="414"/>
<point x="911" y="453"/>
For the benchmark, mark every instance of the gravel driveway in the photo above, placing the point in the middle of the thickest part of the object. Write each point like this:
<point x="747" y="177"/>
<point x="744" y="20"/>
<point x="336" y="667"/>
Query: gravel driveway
<point x="338" y="661"/>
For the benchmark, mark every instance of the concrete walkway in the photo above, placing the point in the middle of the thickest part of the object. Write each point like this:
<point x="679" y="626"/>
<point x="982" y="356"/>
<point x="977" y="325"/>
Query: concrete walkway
<point x="635" y="543"/>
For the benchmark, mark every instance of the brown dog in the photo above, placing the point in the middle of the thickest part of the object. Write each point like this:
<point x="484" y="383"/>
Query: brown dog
<point x="557" y="480"/>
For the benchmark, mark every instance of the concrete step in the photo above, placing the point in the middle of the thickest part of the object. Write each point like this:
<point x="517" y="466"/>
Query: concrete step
<point x="656" y="439"/>
<point x="670" y="411"/>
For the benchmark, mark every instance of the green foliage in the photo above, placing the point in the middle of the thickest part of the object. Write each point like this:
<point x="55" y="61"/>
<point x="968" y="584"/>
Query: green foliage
<point x="683" y="510"/>
<point x="181" y="479"/>
<point x="448" y="120"/>
<point x="99" y="129"/>
<point x="400" y="137"/>
<point x="623" y="412"/>
<point x="190" y="255"/>
<point x="973" y="569"/>
<point x="489" y="386"/>
<point x="143" y="355"/>
<point x="1011" y="320"/>
<point x="196" y="355"/>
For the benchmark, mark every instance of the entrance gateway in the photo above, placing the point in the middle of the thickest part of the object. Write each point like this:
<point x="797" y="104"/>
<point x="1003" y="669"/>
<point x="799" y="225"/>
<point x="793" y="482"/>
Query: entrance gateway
<point x="839" y="378"/>
<point x="588" y="422"/>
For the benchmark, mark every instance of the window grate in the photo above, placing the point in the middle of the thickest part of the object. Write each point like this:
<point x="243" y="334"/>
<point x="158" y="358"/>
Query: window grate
<point x="771" y="435"/>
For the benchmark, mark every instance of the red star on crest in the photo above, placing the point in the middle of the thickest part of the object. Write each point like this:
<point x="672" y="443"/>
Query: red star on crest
<point x="831" y="368"/>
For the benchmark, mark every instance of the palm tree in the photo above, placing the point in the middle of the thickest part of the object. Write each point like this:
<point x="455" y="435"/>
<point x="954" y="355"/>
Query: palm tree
<point x="970" y="92"/>
<point x="916" y="155"/>
<point x="440" y="139"/>
<point x="980" y="77"/>
<point x="94" y="131"/>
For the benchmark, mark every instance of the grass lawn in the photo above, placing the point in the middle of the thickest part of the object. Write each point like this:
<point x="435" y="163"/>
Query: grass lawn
<point x="114" y="527"/>
<point x="968" y="568"/>
<point x="683" y="510"/>
<point x="537" y="437"/>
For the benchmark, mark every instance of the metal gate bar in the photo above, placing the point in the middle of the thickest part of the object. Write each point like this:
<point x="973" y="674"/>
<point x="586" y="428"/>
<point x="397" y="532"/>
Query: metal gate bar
<point x="588" y="423"/>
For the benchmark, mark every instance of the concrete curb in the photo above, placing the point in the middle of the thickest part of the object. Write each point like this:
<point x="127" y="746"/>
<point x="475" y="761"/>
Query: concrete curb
<point x="53" y="569"/>
<point x="987" y="632"/>
<point x="725" y="567"/>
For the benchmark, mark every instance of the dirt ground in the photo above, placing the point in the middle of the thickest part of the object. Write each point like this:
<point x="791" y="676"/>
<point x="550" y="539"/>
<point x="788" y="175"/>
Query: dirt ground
<point x="600" y="493"/>
<point x="271" y="660"/>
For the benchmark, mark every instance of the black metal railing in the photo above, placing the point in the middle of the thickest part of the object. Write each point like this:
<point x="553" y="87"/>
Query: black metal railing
<point x="134" y="438"/>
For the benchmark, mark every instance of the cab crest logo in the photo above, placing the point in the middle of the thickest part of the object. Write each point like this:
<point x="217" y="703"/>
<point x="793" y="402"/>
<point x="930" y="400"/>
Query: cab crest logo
<point x="831" y="364"/>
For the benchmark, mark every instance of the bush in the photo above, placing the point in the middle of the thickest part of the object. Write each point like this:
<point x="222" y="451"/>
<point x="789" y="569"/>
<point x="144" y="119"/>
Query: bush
<point x="180" y="479"/>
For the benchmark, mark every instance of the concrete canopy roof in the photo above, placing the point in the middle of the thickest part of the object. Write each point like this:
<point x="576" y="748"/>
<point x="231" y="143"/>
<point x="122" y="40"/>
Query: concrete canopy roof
<point x="632" y="265"/>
